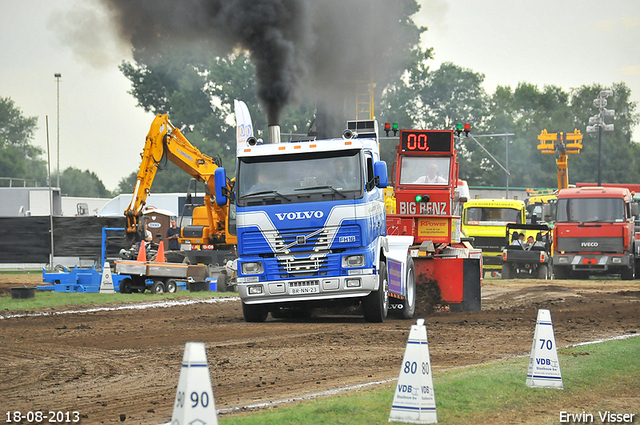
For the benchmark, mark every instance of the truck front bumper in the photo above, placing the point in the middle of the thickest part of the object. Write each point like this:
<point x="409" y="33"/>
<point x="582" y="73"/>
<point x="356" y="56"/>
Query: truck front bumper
<point x="492" y="260"/>
<point x="307" y="289"/>
<point x="592" y="262"/>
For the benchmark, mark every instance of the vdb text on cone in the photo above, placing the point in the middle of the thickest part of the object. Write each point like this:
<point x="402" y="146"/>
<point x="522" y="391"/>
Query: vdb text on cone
<point x="194" y="402"/>
<point x="544" y="367"/>
<point x="414" y="400"/>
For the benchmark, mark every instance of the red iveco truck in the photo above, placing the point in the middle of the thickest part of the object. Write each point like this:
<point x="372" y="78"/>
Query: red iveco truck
<point x="594" y="233"/>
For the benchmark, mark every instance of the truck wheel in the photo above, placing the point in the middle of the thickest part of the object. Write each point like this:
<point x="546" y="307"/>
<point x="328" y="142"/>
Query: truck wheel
<point x="125" y="286"/>
<point x="409" y="302"/>
<point x="560" y="272"/>
<point x="507" y="271"/>
<point x="171" y="286"/>
<point x="629" y="272"/>
<point x="376" y="304"/>
<point x="221" y="283"/>
<point x="255" y="312"/>
<point x="543" y="271"/>
<point x="157" y="287"/>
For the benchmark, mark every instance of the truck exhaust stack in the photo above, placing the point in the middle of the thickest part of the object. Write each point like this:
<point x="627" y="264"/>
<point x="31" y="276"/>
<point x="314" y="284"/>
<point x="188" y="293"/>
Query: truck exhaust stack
<point x="274" y="134"/>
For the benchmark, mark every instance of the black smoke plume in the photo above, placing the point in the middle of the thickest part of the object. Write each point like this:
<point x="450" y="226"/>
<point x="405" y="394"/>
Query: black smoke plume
<point x="318" y="45"/>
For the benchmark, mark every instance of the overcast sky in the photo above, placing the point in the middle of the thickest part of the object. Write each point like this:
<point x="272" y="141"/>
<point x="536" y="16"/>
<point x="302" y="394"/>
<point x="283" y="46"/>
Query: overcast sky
<point x="568" y="43"/>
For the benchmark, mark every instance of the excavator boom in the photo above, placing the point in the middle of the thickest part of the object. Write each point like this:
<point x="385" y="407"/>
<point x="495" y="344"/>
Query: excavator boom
<point x="165" y="142"/>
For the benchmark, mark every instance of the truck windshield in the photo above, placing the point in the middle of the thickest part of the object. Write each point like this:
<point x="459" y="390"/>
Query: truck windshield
<point x="590" y="209"/>
<point x="424" y="170"/>
<point x="486" y="216"/>
<point x="300" y="177"/>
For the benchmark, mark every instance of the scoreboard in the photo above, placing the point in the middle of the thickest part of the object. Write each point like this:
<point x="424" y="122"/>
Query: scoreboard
<point x="432" y="141"/>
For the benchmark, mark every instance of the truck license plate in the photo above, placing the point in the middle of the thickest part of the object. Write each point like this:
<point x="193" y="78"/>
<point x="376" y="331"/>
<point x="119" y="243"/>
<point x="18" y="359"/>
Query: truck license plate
<point x="304" y="290"/>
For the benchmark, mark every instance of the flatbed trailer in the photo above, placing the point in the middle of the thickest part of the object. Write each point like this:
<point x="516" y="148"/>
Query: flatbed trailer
<point x="158" y="278"/>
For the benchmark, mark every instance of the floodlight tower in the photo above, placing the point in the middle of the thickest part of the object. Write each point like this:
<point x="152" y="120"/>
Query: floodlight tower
<point x="597" y="124"/>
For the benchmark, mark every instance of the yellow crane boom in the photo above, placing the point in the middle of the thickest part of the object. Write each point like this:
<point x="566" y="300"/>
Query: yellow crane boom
<point x="166" y="141"/>
<point x="560" y="144"/>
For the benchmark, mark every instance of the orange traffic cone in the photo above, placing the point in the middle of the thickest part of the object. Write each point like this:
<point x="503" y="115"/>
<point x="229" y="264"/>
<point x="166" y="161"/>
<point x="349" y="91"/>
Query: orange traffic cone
<point x="142" y="252"/>
<point x="160" y="254"/>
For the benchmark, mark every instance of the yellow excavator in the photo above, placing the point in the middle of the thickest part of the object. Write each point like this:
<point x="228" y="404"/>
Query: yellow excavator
<point x="207" y="239"/>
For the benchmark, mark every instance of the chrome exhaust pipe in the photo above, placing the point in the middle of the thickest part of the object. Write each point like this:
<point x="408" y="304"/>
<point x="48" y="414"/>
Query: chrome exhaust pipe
<point x="274" y="134"/>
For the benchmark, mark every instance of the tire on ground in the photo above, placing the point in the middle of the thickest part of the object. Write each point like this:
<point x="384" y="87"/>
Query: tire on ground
<point x="409" y="302"/>
<point x="629" y="272"/>
<point x="561" y="272"/>
<point x="222" y="282"/>
<point x="376" y="304"/>
<point x="507" y="271"/>
<point x="157" y="287"/>
<point x="543" y="271"/>
<point x="255" y="312"/>
<point x="126" y="285"/>
<point x="171" y="286"/>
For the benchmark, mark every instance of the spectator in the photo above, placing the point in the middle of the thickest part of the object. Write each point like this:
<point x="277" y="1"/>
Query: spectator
<point x="520" y="241"/>
<point x="148" y="236"/>
<point x="173" y="233"/>
<point x="530" y="241"/>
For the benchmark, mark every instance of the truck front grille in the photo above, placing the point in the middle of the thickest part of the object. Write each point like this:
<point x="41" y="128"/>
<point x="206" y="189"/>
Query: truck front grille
<point x="306" y="266"/>
<point x="596" y="244"/>
<point x="301" y="240"/>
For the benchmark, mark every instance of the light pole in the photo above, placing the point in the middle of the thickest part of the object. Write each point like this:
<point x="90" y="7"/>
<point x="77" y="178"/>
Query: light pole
<point x="57" y="76"/>
<point x="506" y="170"/>
<point x="597" y="124"/>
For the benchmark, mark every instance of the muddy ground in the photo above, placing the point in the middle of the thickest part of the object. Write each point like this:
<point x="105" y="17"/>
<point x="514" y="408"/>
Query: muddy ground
<point x="115" y="365"/>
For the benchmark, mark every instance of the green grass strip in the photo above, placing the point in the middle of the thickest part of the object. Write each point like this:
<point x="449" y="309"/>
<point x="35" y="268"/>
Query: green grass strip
<point x="46" y="299"/>
<point x="596" y="377"/>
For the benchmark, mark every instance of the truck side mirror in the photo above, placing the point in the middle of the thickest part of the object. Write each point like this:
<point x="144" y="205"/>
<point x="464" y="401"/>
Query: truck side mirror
<point x="220" y="182"/>
<point x="546" y="213"/>
<point x="635" y="209"/>
<point x="380" y="171"/>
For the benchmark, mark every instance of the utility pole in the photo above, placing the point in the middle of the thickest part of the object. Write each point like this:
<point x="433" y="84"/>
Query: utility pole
<point x="57" y="76"/>
<point x="597" y="125"/>
<point x="506" y="170"/>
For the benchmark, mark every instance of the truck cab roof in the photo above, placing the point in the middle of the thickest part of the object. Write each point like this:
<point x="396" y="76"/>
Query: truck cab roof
<point x="596" y="192"/>
<point x="290" y="148"/>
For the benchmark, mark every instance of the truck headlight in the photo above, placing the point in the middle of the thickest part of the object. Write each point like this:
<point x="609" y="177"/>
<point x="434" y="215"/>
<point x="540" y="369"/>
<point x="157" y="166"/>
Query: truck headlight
<point x="252" y="267"/>
<point x="353" y="260"/>
<point x="254" y="289"/>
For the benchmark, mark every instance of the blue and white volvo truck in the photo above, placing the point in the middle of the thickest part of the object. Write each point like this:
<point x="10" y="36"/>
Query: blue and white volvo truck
<point x="311" y="228"/>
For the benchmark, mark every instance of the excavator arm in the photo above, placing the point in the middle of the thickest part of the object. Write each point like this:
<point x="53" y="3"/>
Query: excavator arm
<point x="166" y="141"/>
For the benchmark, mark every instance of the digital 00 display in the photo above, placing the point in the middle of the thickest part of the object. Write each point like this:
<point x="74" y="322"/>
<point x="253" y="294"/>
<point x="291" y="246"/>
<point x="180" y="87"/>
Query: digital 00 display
<point x="426" y="140"/>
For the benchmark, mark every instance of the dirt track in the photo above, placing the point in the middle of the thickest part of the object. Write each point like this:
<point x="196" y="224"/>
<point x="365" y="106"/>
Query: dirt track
<point x="106" y="364"/>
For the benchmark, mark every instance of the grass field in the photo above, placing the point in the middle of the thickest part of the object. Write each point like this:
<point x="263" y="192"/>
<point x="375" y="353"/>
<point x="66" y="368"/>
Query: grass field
<point x="45" y="299"/>
<point x="597" y="378"/>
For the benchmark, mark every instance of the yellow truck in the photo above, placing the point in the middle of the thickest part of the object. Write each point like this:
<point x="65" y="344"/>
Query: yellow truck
<point x="485" y="220"/>
<point x="538" y="199"/>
